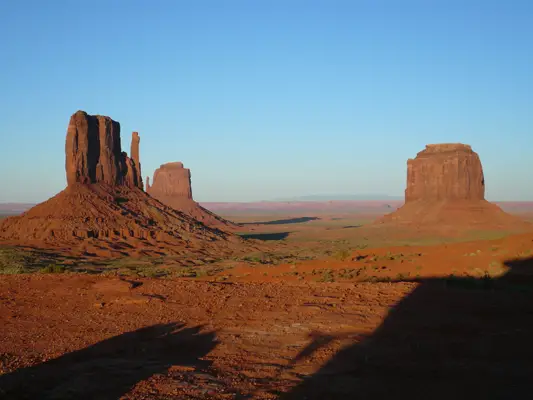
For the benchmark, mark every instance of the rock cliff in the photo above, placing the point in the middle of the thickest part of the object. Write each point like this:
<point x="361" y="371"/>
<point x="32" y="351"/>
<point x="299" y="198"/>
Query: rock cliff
<point x="94" y="153"/>
<point x="445" y="172"/>
<point x="446" y="192"/>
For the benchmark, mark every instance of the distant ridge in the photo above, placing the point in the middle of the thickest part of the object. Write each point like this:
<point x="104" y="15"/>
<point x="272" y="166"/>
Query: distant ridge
<point x="8" y="208"/>
<point x="334" y="197"/>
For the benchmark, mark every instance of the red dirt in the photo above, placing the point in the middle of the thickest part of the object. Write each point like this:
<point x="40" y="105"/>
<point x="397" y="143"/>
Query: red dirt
<point x="474" y="258"/>
<point x="162" y="339"/>
<point x="110" y="221"/>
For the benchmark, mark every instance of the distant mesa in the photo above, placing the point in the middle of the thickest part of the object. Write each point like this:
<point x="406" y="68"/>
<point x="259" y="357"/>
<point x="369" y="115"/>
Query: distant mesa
<point x="446" y="188"/>
<point x="171" y="185"/>
<point x="172" y="179"/>
<point x="103" y="210"/>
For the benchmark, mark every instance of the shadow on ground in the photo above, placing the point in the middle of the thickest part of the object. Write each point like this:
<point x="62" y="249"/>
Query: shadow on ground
<point x="298" y="220"/>
<point x="109" y="369"/>
<point x="266" y="236"/>
<point x="448" y="339"/>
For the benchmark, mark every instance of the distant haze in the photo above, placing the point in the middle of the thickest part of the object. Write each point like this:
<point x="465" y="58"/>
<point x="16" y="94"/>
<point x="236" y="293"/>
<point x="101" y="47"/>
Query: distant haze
<point x="328" y="197"/>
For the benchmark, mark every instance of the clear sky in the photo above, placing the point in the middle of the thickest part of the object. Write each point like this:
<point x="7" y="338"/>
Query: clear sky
<point x="264" y="99"/>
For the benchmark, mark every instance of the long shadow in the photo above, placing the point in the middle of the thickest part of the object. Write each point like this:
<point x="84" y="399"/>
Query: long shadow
<point x="109" y="369"/>
<point x="448" y="339"/>
<point x="266" y="236"/>
<point x="298" y="220"/>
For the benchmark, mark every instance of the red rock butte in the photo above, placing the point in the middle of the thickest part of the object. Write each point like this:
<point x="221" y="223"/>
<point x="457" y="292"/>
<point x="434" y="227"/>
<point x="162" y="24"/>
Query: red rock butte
<point x="446" y="189"/>
<point x="171" y="185"/>
<point x="94" y="152"/>
<point x="103" y="210"/>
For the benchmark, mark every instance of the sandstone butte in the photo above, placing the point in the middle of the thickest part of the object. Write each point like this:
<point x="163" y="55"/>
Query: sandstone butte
<point x="172" y="186"/>
<point x="103" y="210"/>
<point x="446" y="189"/>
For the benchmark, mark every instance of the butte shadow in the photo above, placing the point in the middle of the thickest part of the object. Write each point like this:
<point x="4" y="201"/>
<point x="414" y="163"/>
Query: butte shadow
<point x="459" y="338"/>
<point x="266" y="236"/>
<point x="288" y="221"/>
<point x="109" y="369"/>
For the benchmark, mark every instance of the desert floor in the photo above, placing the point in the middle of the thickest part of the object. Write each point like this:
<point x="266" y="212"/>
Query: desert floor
<point x="332" y="307"/>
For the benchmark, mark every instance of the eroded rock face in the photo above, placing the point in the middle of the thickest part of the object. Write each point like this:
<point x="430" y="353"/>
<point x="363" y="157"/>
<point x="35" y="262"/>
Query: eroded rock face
<point x="102" y="212"/>
<point x="450" y="171"/>
<point x="94" y="152"/>
<point x="135" y="140"/>
<point x="171" y="179"/>
<point x="445" y="194"/>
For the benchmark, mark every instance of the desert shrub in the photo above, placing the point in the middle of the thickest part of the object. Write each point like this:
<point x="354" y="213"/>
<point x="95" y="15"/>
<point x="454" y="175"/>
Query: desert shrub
<point x="12" y="261"/>
<point x="327" y="276"/>
<point x="343" y="254"/>
<point x="12" y="270"/>
<point x="53" y="269"/>
<point x="120" y="200"/>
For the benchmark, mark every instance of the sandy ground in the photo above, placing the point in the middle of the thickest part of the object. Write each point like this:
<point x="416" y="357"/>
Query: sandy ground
<point x="451" y="320"/>
<point x="93" y="337"/>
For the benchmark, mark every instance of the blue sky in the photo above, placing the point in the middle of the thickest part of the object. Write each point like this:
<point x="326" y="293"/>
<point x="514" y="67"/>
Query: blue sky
<point x="268" y="99"/>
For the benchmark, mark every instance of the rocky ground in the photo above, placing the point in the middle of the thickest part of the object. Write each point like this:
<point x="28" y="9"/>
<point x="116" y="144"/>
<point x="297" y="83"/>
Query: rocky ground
<point x="97" y="337"/>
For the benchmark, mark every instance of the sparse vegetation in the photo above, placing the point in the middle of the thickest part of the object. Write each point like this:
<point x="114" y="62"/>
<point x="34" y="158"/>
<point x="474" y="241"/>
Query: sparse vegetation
<point x="53" y="269"/>
<point x="327" y="276"/>
<point x="342" y="254"/>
